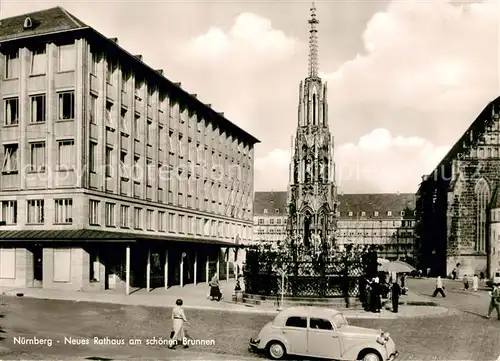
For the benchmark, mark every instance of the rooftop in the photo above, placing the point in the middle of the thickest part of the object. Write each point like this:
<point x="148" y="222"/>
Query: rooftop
<point x="356" y="203"/>
<point x="58" y="20"/>
<point x="469" y="138"/>
<point x="43" y="22"/>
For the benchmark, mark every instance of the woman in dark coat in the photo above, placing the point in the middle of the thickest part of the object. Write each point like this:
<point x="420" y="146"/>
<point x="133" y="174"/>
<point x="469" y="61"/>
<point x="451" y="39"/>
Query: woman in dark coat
<point x="215" y="289"/>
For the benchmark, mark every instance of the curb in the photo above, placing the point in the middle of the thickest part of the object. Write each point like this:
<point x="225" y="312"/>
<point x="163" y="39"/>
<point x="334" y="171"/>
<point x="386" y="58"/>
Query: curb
<point x="244" y="309"/>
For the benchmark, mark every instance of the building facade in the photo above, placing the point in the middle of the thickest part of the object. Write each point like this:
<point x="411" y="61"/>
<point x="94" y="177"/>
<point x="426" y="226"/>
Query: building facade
<point x="113" y="176"/>
<point x="311" y="189"/>
<point x="456" y="203"/>
<point x="387" y="220"/>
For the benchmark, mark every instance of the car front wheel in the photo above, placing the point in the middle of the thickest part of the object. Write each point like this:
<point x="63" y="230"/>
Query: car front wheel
<point x="276" y="350"/>
<point x="370" y="356"/>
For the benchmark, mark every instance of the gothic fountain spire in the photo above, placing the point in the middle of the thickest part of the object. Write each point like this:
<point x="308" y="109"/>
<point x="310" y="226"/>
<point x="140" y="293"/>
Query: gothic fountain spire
<point x="313" y="42"/>
<point x="312" y="191"/>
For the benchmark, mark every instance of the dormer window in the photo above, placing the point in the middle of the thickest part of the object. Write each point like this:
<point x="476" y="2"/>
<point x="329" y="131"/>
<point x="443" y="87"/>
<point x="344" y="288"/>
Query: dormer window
<point x="28" y="24"/>
<point x="350" y="214"/>
<point x="375" y="213"/>
<point x="402" y="213"/>
<point x="363" y="214"/>
<point x="265" y="211"/>
<point x="276" y="211"/>
<point x="389" y="213"/>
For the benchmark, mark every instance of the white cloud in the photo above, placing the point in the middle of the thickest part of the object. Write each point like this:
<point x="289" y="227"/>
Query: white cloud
<point x="378" y="162"/>
<point x="427" y="70"/>
<point x="250" y="42"/>
<point x="381" y="162"/>
<point x="426" y="55"/>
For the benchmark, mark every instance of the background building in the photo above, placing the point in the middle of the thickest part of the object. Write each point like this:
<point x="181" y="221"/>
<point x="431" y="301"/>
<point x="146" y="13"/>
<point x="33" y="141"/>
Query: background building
<point x="110" y="172"/>
<point x="383" y="219"/>
<point x="456" y="204"/>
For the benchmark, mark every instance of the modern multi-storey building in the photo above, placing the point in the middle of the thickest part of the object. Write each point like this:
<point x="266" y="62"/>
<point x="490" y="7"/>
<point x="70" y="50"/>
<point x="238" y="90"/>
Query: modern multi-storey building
<point x="112" y="175"/>
<point x="387" y="220"/>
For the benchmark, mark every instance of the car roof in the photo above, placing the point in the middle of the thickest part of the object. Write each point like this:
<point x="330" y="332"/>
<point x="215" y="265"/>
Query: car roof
<point x="304" y="311"/>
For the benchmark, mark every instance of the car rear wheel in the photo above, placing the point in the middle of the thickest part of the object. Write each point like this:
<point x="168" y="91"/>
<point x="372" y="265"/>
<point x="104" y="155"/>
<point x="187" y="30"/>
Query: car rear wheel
<point x="370" y="356"/>
<point x="276" y="350"/>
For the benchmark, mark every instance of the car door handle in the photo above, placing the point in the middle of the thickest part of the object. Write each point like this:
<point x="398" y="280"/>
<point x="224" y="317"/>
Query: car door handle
<point x="335" y="336"/>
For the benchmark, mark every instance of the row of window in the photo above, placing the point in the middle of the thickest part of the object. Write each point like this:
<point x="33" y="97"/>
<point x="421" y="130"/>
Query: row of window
<point x="66" y="157"/>
<point x="66" y="61"/>
<point x="151" y="220"/>
<point x="376" y="214"/>
<point x="345" y="224"/>
<point x="361" y="214"/>
<point x="38" y="108"/>
<point x="271" y="231"/>
<point x="271" y="221"/>
<point x="36" y="211"/>
<point x="178" y="223"/>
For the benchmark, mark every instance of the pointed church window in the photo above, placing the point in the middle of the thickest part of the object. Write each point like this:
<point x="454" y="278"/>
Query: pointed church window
<point x="482" y="191"/>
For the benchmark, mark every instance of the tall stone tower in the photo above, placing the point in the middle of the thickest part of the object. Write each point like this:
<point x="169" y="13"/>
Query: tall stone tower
<point x="312" y="189"/>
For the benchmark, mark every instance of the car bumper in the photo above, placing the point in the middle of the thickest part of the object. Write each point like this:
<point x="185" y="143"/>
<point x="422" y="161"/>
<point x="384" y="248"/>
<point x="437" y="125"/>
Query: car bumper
<point x="393" y="356"/>
<point x="253" y="345"/>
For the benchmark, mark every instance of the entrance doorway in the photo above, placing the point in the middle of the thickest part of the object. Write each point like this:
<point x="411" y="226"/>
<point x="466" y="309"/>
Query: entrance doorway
<point x="37" y="251"/>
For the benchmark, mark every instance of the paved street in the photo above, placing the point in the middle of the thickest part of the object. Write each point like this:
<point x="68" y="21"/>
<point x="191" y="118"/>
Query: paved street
<point x="473" y="303"/>
<point x="453" y="336"/>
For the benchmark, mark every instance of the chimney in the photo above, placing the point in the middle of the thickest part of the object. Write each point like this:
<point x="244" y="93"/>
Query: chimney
<point x="114" y="40"/>
<point x="178" y="84"/>
<point x="194" y="95"/>
<point x="159" y="71"/>
<point x="221" y="113"/>
<point x="208" y="105"/>
<point x="139" y="57"/>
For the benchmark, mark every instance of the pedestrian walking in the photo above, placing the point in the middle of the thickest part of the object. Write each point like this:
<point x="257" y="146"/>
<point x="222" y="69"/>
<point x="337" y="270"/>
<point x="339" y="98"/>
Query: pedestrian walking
<point x="495" y="301"/>
<point x="475" y="283"/>
<point x="178" y="320"/>
<point x="403" y="279"/>
<point x="466" y="283"/>
<point x="395" y="293"/>
<point x="439" y="287"/>
<point x="454" y="274"/>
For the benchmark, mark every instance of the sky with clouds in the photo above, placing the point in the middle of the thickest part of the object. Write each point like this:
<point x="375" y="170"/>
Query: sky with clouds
<point x="405" y="78"/>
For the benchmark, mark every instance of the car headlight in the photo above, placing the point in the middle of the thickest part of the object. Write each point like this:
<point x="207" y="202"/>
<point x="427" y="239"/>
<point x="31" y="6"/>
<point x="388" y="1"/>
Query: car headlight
<point x="383" y="338"/>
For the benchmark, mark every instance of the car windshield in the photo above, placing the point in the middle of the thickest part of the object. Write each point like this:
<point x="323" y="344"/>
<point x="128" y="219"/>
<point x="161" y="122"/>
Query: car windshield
<point x="339" y="320"/>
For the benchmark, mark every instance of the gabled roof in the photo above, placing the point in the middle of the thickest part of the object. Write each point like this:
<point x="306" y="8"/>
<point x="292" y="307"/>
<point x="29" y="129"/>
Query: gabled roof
<point x="470" y="137"/>
<point x="43" y="22"/>
<point x="270" y="201"/>
<point x="375" y="202"/>
<point x="356" y="203"/>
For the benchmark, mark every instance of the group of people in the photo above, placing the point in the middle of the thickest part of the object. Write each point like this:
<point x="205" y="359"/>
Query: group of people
<point x="373" y="290"/>
<point x="494" y="294"/>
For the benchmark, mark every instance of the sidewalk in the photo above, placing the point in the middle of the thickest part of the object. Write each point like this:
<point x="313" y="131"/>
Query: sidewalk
<point x="194" y="297"/>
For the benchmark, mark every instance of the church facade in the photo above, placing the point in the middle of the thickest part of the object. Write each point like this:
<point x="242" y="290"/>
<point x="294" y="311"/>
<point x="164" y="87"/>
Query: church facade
<point x="457" y="223"/>
<point x="311" y="190"/>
